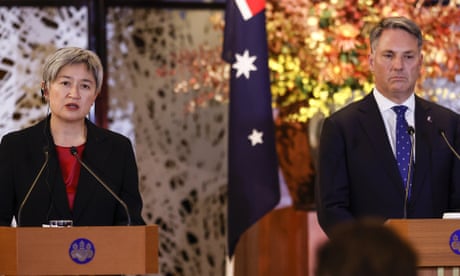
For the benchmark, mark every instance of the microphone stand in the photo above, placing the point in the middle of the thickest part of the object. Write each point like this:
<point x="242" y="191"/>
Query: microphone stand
<point x="408" y="188"/>
<point x="34" y="183"/>
<point x="73" y="151"/>
<point x="449" y="145"/>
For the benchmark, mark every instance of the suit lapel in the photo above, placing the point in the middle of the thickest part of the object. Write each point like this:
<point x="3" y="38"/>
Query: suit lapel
<point x="94" y="155"/>
<point x="59" y="208"/>
<point x="374" y="129"/>
<point x="60" y="204"/>
<point x="423" y="142"/>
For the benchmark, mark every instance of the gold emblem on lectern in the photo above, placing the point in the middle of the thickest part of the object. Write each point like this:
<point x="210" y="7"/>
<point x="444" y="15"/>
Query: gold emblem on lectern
<point x="82" y="251"/>
<point x="454" y="242"/>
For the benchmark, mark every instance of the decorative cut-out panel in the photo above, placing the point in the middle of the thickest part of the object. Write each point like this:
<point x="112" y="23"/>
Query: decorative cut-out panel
<point x="27" y="36"/>
<point x="182" y="154"/>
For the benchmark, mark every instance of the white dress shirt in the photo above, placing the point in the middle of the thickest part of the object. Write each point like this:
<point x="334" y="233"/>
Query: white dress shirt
<point x="389" y="116"/>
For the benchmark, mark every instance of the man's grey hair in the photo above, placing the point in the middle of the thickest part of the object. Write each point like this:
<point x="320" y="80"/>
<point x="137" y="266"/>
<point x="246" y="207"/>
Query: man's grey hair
<point x="397" y="22"/>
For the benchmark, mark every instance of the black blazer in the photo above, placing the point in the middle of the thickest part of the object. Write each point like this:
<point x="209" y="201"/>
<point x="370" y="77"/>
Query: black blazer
<point x="358" y="173"/>
<point x="108" y="154"/>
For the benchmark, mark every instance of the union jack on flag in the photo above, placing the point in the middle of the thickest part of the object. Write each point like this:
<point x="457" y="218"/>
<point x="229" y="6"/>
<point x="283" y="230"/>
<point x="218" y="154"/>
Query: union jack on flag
<point x="253" y="186"/>
<point x="249" y="8"/>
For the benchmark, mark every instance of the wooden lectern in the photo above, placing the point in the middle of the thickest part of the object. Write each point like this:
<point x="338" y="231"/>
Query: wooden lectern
<point x="63" y="251"/>
<point x="432" y="240"/>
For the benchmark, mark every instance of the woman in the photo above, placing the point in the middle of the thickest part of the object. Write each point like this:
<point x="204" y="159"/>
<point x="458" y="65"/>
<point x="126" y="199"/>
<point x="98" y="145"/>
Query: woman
<point x="65" y="167"/>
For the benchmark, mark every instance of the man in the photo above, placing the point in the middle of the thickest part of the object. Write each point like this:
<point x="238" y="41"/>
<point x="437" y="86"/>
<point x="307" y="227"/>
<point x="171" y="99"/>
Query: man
<point x="360" y="149"/>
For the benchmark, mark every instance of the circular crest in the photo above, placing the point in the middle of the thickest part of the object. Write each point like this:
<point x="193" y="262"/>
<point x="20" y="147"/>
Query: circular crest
<point x="454" y="242"/>
<point x="82" y="251"/>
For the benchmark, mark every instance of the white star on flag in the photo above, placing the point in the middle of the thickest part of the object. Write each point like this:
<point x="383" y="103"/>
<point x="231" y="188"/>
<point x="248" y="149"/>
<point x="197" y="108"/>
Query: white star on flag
<point x="244" y="64"/>
<point x="256" y="137"/>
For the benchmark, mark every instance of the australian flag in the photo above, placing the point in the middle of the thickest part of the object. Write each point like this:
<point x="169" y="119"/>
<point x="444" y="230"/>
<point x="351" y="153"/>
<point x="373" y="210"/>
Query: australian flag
<point x="253" y="188"/>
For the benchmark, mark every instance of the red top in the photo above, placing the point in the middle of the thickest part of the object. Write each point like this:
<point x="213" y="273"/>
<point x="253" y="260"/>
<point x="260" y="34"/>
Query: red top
<point x="70" y="168"/>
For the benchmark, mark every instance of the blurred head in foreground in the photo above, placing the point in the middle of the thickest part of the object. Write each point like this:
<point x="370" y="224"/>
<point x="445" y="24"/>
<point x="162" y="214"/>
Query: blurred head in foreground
<point x="363" y="248"/>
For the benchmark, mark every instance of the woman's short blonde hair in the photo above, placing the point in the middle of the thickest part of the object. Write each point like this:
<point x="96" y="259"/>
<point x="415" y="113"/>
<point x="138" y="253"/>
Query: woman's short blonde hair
<point x="72" y="55"/>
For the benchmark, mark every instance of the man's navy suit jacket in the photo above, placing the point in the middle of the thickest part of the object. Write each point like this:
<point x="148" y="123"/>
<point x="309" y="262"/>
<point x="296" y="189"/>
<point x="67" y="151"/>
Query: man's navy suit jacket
<point x="358" y="173"/>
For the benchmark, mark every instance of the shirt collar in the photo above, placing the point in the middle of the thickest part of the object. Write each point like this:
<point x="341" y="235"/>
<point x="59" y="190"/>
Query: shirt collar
<point x="385" y="104"/>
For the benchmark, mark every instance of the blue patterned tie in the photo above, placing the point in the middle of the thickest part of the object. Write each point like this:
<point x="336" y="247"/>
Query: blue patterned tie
<point x="403" y="142"/>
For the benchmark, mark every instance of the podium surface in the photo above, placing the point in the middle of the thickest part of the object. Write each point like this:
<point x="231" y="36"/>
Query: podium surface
<point x="432" y="239"/>
<point x="93" y="250"/>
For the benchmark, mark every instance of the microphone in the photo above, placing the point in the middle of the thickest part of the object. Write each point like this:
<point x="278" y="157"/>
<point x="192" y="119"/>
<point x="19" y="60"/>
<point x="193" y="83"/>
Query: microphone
<point x="74" y="152"/>
<point x="443" y="135"/>
<point x="411" y="132"/>
<point x="34" y="183"/>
